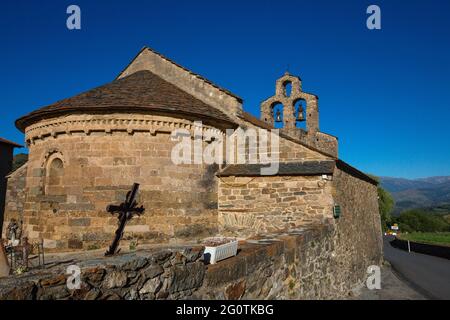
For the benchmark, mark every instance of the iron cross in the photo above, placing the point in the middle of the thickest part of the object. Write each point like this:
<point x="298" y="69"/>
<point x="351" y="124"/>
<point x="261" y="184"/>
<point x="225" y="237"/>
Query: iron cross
<point x="126" y="211"/>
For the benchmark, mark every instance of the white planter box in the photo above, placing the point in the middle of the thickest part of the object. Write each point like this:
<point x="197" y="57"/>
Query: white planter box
<point x="220" y="252"/>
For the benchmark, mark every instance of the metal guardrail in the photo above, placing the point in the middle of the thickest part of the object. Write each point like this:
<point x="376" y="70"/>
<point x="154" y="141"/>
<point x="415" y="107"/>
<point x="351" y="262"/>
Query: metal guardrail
<point x="429" y="249"/>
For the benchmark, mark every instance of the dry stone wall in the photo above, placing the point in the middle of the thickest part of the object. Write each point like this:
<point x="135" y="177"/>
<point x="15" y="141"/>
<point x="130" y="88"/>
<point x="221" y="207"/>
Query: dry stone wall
<point x="15" y="197"/>
<point x="300" y="264"/>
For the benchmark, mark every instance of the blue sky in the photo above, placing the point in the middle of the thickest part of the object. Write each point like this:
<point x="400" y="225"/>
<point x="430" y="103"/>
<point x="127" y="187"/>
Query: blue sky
<point x="382" y="92"/>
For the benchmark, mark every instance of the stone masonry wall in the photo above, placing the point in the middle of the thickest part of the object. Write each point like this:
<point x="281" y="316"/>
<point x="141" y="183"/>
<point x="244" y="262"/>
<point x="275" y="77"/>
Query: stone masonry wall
<point x="300" y="264"/>
<point x="358" y="230"/>
<point x="288" y="151"/>
<point x="102" y="156"/>
<point x="193" y="84"/>
<point x="15" y="197"/>
<point x="294" y="152"/>
<point x="270" y="203"/>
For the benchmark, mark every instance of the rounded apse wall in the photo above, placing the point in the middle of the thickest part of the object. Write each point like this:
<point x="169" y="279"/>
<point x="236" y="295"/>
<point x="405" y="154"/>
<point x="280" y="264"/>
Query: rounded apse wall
<point x="79" y="164"/>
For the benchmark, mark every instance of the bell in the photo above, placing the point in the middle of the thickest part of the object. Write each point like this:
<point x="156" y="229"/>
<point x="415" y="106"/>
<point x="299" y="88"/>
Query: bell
<point x="300" y="116"/>
<point x="278" y="119"/>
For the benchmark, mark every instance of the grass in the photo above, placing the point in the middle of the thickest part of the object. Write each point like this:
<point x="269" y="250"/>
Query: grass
<point x="440" y="238"/>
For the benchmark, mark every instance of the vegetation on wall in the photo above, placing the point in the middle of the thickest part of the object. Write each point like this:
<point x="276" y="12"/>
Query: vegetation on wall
<point x="19" y="160"/>
<point x="386" y="205"/>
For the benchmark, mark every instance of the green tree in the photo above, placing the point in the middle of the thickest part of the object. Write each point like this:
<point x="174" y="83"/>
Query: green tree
<point x="419" y="220"/>
<point x="19" y="160"/>
<point x="385" y="204"/>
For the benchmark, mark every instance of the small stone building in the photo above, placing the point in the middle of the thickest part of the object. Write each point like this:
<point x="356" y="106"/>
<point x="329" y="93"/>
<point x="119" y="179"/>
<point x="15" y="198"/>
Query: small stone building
<point x="6" y="163"/>
<point x="85" y="152"/>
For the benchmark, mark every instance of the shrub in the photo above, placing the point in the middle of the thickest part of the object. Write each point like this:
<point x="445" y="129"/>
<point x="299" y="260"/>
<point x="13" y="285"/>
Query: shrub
<point x="417" y="220"/>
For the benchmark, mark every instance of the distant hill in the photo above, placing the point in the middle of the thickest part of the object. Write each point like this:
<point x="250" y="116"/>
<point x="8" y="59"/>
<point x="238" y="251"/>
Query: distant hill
<point x="432" y="193"/>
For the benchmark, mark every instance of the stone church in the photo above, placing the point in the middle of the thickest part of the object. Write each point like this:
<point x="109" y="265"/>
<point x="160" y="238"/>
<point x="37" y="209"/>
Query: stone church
<point x="86" y="151"/>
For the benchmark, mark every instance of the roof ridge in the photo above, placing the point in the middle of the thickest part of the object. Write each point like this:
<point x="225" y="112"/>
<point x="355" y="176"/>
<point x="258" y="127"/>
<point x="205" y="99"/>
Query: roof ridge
<point x="5" y="141"/>
<point x="183" y="68"/>
<point x="144" y="91"/>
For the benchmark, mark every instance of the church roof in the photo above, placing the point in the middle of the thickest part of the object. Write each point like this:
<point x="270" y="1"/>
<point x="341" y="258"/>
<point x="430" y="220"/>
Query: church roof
<point x="13" y="144"/>
<point x="303" y="168"/>
<point x="183" y="68"/>
<point x="142" y="91"/>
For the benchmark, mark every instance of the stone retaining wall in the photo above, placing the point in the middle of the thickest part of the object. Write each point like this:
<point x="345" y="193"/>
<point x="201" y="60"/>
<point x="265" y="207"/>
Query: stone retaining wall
<point x="15" y="197"/>
<point x="299" y="264"/>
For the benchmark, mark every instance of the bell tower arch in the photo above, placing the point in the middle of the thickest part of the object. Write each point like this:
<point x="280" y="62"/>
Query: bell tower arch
<point x="288" y="91"/>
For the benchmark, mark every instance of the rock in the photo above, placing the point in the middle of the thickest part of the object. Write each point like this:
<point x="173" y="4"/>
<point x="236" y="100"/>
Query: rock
<point x="111" y="296"/>
<point x="186" y="277"/>
<point x="133" y="277"/>
<point x="151" y="286"/>
<point x="178" y="258"/>
<point x="92" y="294"/>
<point x="79" y="294"/>
<point x="162" y="256"/>
<point x="267" y="272"/>
<point x="93" y="276"/>
<point x="25" y="291"/>
<point x="148" y="296"/>
<point x="55" y="281"/>
<point x="193" y="254"/>
<point x="136" y="264"/>
<point x="115" y="279"/>
<point x="53" y="293"/>
<point x="131" y="295"/>
<point x="162" y="295"/>
<point x="152" y="271"/>
<point x="235" y="291"/>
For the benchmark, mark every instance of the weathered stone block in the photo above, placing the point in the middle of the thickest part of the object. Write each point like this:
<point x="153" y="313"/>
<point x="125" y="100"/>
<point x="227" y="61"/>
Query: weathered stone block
<point x="151" y="286"/>
<point x="79" y="222"/>
<point x="152" y="271"/>
<point x="115" y="279"/>
<point x="75" y="244"/>
<point x="37" y="172"/>
<point x="186" y="277"/>
<point x="235" y="290"/>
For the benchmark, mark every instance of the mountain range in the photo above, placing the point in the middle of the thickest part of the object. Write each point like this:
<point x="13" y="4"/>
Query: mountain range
<point x="429" y="192"/>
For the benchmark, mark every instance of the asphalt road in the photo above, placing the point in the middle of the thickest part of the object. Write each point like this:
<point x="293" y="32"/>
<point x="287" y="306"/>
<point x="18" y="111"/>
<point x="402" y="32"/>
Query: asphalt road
<point x="429" y="275"/>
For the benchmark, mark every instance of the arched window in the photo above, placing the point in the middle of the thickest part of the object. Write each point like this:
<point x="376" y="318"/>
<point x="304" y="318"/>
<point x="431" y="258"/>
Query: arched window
<point x="54" y="178"/>
<point x="277" y="111"/>
<point x="287" y="88"/>
<point x="300" y="113"/>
